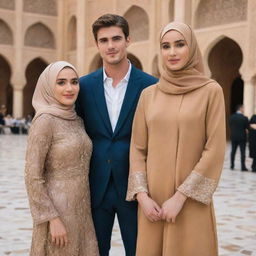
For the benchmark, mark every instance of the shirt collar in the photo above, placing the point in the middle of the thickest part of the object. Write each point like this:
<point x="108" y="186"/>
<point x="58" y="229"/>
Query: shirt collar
<point x="126" y="77"/>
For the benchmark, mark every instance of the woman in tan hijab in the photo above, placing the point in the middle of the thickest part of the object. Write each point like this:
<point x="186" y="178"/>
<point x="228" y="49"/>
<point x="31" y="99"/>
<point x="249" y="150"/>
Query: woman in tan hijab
<point x="57" y="164"/>
<point x="177" y="152"/>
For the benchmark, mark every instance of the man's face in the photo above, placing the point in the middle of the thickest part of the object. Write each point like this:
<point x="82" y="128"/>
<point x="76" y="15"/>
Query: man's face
<point x="112" y="45"/>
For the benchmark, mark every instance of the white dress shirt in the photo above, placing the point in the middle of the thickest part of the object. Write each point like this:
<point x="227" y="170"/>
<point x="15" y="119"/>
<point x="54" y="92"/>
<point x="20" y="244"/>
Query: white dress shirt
<point x="115" y="95"/>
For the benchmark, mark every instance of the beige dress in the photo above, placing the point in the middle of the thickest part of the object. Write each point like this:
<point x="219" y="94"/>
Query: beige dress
<point x="56" y="176"/>
<point x="178" y="143"/>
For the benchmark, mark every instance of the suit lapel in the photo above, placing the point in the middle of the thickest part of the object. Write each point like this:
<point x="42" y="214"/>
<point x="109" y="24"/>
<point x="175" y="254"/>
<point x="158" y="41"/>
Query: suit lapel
<point x="99" y="96"/>
<point x="133" y="88"/>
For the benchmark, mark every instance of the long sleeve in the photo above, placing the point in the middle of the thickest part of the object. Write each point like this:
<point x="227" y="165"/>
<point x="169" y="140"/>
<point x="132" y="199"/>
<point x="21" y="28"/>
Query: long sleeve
<point x="39" y="142"/>
<point x="138" y="153"/>
<point x="202" y="182"/>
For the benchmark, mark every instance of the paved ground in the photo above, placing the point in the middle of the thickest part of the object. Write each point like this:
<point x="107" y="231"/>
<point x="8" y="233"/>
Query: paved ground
<point x="235" y="204"/>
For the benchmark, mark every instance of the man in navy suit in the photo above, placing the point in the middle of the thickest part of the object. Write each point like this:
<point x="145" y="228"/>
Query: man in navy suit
<point x="107" y="101"/>
<point x="239" y="125"/>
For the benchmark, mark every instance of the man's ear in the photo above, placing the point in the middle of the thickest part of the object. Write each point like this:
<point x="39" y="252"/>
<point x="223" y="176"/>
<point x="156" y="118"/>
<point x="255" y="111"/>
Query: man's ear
<point x="128" y="41"/>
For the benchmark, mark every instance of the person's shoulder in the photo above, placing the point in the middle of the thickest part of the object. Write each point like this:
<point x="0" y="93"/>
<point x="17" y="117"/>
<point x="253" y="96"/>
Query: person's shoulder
<point x="86" y="79"/>
<point x="214" y="86"/>
<point x="147" y="78"/>
<point x="43" y="123"/>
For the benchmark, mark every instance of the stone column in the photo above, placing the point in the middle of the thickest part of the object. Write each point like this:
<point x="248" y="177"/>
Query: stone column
<point x="60" y="38"/>
<point x="81" y="36"/>
<point x="249" y="97"/>
<point x="250" y="60"/>
<point x="17" y="102"/>
<point x="182" y="11"/>
<point x="18" y="78"/>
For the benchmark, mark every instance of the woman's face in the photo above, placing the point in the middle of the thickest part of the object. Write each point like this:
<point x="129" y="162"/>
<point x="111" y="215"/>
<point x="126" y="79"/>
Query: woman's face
<point x="174" y="50"/>
<point x="66" y="87"/>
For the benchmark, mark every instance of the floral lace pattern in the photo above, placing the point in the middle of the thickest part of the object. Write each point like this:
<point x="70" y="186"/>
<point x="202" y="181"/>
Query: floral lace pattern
<point x="198" y="187"/>
<point x="137" y="183"/>
<point x="56" y="177"/>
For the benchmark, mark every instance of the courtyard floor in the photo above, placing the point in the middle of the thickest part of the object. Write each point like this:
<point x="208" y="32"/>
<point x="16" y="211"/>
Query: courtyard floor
<point x="235" y="206"/>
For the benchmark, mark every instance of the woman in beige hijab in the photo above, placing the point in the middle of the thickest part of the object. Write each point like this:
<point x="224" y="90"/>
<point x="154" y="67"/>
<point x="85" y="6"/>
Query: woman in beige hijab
<point x="177" y="152"/>
<point x="57" y="164"/>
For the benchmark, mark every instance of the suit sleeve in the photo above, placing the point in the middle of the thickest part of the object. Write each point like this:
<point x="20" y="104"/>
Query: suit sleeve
<point x="138" y="153"/>
<point x="78" y="107"/>
<point x="202" y="182"/>
<point x="39" y="142"/>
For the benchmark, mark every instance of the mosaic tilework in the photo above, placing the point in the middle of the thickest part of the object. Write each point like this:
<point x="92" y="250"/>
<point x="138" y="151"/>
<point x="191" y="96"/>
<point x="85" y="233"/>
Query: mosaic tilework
<point x="235" y="205"/>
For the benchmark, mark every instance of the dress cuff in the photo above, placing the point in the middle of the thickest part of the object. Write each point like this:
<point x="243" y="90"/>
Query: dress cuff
<point x="198" y="187"/>
<point x="137" y="183"/>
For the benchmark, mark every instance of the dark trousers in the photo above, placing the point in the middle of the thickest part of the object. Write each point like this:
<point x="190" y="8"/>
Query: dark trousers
<point x="254" y="164"/>
<point x="103" y="218"/>
<point x="242" y="145"/>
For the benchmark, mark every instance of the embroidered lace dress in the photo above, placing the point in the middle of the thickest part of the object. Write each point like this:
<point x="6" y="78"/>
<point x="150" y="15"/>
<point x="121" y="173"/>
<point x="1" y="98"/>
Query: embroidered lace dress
<point x="56" y="176"/>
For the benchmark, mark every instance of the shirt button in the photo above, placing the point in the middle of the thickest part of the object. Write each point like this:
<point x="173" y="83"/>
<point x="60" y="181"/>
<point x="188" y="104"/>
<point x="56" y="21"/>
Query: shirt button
<point x="109" y="161"/>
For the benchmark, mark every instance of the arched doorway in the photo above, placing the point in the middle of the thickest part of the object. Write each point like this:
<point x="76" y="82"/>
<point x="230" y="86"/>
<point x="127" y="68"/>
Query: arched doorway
<point x="33" y="70"/>
<point x="135" y="61"/>
<point x="224" y="61"/>
<point x="96" y="63"/>
<point x="6" y="95"/>
<point x="155" y="67"/>
<point x="136" y="15"/>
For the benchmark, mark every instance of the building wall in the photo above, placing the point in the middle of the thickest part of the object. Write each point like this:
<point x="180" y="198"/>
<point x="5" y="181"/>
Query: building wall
<point x="34" y="33"/>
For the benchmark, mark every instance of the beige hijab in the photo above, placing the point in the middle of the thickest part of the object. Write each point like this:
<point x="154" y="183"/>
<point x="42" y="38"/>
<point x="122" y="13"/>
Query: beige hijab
<point x="43" y="99"/>
<point x="191" y="76"/>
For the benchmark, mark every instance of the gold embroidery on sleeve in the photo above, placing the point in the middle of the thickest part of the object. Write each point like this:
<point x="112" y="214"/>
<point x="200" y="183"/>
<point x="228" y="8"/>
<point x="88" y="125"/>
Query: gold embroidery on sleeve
<point x="198" y="187"/>
<point x="137" y="183"/>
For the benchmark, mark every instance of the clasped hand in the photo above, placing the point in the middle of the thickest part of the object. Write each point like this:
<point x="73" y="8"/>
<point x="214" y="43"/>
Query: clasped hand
<point x="169" y="210"/>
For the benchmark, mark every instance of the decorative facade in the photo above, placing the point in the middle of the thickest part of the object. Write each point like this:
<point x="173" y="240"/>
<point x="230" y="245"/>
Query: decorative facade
<point x="34" y="33"/>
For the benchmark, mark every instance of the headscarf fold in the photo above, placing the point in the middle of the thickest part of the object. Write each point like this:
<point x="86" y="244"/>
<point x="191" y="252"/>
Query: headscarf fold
<point x="43" y="99"/>
<point x="189" y="77"/>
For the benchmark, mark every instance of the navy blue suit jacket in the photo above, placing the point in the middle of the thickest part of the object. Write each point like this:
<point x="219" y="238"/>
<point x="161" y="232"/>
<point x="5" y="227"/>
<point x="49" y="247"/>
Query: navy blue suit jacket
<point x="110" y="149"/>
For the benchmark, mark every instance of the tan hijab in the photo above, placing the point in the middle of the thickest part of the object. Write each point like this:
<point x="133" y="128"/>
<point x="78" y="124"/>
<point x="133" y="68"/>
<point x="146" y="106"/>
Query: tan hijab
<point x="43" y="99"/>
<point x="191" y="76"/>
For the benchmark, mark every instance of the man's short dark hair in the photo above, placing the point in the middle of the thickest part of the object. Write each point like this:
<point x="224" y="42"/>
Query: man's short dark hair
<point x="239" y="106"/>
<point x="108" y="20"/>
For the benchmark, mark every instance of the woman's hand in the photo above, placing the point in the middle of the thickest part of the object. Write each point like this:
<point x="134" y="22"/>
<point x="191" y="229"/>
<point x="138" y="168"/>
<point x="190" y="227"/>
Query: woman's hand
<point x="149" y="207"/>
<point x="58" y="232"/>
<point x="253" y="126"/>
<point x="172" y="207"/>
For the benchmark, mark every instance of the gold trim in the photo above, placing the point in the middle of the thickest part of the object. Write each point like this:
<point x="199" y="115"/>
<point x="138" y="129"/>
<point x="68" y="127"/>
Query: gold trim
<point x="137" y="183"/>
<point x="198" y="187"/>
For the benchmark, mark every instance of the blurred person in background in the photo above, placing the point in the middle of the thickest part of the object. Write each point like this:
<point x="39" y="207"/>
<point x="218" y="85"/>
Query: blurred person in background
<point x="239" y="126"/>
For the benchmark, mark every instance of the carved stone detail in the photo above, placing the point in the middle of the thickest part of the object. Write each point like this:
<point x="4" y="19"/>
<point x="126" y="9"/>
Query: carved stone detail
<point x="6" y="33"/>
<point x="48" y="7"/>
<point x="38" y="35"/>
<point x="217" y="12"/>
<point x="7" y="4"/>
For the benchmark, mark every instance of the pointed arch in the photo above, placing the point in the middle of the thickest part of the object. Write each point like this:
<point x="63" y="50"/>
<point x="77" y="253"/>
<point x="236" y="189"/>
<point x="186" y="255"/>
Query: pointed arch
<point x="6" y="35"/>
<point x="155" y="67"/>
<point x="96" y="63"/>
<point x="224" y="60"/>
<point x="6" y="95"/>
<point x="39" y="35"/>
<point x="72" y="33"/>
<point x="135" y="61"/>
<point x="138" y="22"/>
<point x="33" y="71"/>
